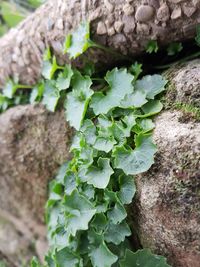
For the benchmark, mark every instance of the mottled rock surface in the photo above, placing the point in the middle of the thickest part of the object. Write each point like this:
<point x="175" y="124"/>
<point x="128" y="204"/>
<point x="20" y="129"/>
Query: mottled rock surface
<point x="33" y="144"/>
<point x="166" y="211"/>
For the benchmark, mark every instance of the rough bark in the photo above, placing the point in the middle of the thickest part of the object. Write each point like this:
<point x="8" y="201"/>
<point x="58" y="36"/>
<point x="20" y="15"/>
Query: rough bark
<point x="124" y="25"/>
<point x="166" y="210"/>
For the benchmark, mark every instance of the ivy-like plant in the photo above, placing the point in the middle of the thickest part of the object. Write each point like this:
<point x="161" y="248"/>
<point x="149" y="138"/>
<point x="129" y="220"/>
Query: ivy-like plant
<point x="86" y="210"/>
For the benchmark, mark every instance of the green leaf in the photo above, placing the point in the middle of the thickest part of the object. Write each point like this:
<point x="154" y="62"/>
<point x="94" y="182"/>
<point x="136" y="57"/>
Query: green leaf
<point x="35" y="3"/>
<point x="85" y="155"/>
<point x="116" y="233"/>
<point x="102" y="256"/>
<point x="34" y="263"/>
<point x="197" y="38"/>
<point x="138" y="160"/>
<point x="10" y="89"/>
<point x="134" y="100"/>
<point x="64" y="78"/>
<point x="36" y="93"/>
<point x="117" y="214"/>
<point x="127" y="189"/>
<point x="99" y="176"/>
<point x="11" y="14"/>
<point x="62" y="172"/>
<point x="143" y="258"/>
<point x="136" y="70"/>
<point x="70" y="182"/>
<point x="78" y="42"/>
<point x="77" y="101"/>
<point x="122" y="128"/>
<point x="89" y="130"/>
<point x="144" y="126"/>
<point x="120" y="84"/>
<point x="66" y="257"/>
<point x="79" y="211"/>
<point x="88" y="191"/>
<point x="174" y="48"/>
<point x="151" y="85"/>
<point x="104" y="143"/>
<point x="47" y="54"/>
<point x="51" y="96"/>
<point x="99" y="222"/>
<point x="4" y="102"/>
<point x="49" y="68"/>
<point x="49" y="260"/>
<point x="151" y="108"/>
<point x="152" y="47"/>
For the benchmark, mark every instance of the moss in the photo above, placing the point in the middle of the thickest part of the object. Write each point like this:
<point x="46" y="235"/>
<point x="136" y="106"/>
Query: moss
<point x="189" y="110"/>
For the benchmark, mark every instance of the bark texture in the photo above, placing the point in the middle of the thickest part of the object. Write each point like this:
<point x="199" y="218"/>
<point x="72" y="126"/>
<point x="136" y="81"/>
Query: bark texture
<point x="124" y="25"/>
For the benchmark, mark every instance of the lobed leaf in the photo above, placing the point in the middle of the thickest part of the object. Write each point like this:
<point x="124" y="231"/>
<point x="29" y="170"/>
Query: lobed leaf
<point x="102" y="256"/>
<point x="51" y="96"/>
<point x="99" y="176"/>
<point x="143" y="258"/>
<point x="77" y="101"/>
<point x="78" y="42"/>
<point x="120" y="84"/>
<point x="138" y="160"/>
<point x="152" y="85"/>
<point x="78" y="212"/>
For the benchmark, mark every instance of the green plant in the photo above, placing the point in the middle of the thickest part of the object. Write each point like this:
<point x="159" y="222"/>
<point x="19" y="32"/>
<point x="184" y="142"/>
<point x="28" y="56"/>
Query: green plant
<point x="152" y="47"/>
<point x="174" y="48"/>
<point x="2" y="263"/>
<point x="86" y="210"/>
<point x="197" y="38"/>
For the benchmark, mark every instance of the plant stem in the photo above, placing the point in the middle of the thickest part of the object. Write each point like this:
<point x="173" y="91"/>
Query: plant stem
<point x="195" y="55"/>
<point x="109" y="50"/>
<point x="22" y="86"/>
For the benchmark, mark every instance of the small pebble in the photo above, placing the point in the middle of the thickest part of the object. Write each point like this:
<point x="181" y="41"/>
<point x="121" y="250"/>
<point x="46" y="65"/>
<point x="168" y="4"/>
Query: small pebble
<point x="143" y="29"/>
<point x="176" y="13"/>
<point x="101" y="28"/>
<point x="111" y="31"/>
<point x="196" y="3"/>
<point x="118" y="26"/>
<point x="144" y="13"/>
<point x="59" y="24"/>
<point x="163" y="13"/>
<point x="129" y="24"/>
<point x="176" y="1"/>
<point x="188" y="10"/>
<point x="108" y="5"/>
<point x="128" y="9"/>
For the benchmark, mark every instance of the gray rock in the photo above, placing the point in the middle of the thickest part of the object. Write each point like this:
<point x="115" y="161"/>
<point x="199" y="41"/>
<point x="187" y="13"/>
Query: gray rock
<point x="144" y="13"/>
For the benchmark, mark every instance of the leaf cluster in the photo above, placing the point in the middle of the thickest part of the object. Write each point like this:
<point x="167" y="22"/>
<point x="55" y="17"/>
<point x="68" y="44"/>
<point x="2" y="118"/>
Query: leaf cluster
<point x="86" y="210"/>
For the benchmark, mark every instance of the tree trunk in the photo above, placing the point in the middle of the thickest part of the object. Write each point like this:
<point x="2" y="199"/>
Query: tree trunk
<point x="123" y="25"/>
<point x="166" y="210"/>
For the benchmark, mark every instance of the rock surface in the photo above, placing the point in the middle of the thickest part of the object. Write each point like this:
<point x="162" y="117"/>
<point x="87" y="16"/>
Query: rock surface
<point x="33" y="143"/>
<point x="166" y="211"/>
<point x="168" y="201"/>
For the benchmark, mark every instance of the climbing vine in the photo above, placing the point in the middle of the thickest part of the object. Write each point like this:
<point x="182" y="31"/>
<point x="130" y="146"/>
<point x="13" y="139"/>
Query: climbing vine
<point x="112" y="116"/>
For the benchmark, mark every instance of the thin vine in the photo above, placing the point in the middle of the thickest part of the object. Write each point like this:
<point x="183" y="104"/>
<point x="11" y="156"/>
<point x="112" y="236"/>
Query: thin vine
<point x="86" y="210"/>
